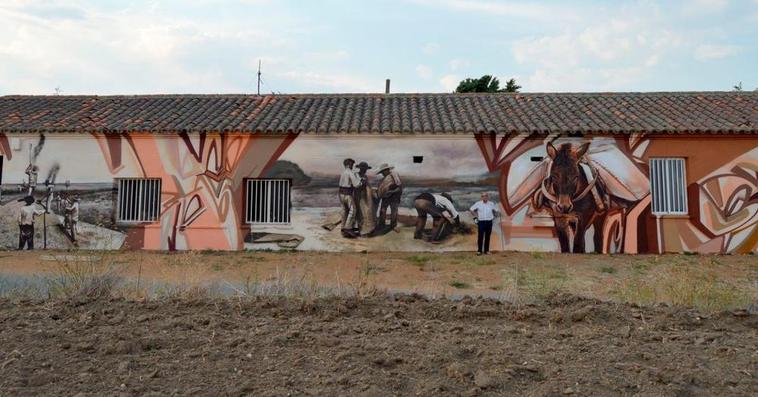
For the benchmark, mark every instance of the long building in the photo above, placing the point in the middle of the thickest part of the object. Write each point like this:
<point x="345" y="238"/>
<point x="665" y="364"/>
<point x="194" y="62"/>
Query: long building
<point x="583" y="172"/>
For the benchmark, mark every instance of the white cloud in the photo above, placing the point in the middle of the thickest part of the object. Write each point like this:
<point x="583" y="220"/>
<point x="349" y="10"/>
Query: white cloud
<point x="607" y="56"/>
<point x="705" y="6"/>
<point x="430" y="48"/>
<point x="707" y="52"/>
<point x="458" y="64"/>
<point x="136" y="49"/>
<point x="450" y="82"/>
<point x="511" y="9"/>
<point x="423" y="71"/>
<point x="332" y="83"/>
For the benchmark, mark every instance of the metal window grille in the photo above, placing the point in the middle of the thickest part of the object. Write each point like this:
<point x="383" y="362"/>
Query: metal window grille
<point x="267" y="201"/>
<point x="668" y="186"/>
<point x="139" y="200"/>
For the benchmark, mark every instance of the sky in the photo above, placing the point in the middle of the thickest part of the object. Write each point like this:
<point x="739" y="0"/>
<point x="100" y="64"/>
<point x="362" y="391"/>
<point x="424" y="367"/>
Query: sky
<point x="109" y="47"/>
<point x="323" y="156"/>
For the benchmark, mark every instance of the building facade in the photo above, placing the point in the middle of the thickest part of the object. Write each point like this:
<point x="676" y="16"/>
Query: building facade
<point x="610" y="173"/>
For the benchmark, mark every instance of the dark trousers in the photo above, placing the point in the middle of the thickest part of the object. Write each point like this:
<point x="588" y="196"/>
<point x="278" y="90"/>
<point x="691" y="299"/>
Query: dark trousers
<point x="483" y="239"/>
<point x="25" y="236"/>
<point x="392" y="202"/>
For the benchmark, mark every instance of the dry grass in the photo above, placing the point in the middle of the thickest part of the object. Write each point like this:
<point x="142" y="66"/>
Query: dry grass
<point x="84" y="277"/>
<point x="700" y="287"/>
<point x="686" y="283"/>
<point x="707" y="283"/>
<point x="534" y="283"/>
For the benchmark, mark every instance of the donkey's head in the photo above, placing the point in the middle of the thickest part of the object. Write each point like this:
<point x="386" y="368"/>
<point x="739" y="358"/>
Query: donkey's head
<point x="565" y="180"/>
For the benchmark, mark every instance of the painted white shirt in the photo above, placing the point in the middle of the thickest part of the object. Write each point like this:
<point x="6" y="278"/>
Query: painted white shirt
<point x="27" y="214"/>
<point x="443" y="203"/>
<point x="485" y="211"/>
<point x="349" y="178"/>
<point x="74" y="208"/>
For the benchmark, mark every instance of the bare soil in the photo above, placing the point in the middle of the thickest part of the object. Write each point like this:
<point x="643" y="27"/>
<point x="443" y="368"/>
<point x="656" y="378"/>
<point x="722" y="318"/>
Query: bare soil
<point x="374" y="346"/>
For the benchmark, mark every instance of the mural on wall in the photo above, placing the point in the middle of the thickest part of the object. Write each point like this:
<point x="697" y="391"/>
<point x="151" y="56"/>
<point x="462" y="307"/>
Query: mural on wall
<point x="726" y="204"/>
<point x="572" y="194"/>
<point x="368" y="193"/>
<point x="202" y="184"/>
<point x="202" y="181"/>
<point x="44" y="209"/>
<point x="568" y="194"/>
<point x="556" y="193"/>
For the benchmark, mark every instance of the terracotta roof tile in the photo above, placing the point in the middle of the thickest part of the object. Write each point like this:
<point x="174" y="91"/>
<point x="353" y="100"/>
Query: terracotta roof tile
<point x="676" y="112"/>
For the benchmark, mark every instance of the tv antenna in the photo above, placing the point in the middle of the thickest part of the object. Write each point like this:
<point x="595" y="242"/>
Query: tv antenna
<point x="259" y="77"/>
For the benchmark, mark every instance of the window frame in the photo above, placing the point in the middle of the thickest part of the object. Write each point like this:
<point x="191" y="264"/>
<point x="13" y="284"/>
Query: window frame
<point x="248" y="217"/>
<point x="157" y="216"/>
<point x="664" y="179"/>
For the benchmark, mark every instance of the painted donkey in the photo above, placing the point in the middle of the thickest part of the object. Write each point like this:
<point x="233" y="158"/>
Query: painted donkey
<point x="574" y="196"/>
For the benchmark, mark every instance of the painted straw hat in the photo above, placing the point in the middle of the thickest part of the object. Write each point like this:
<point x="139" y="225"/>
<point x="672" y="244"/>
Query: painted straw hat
<point x="383" y="167"/>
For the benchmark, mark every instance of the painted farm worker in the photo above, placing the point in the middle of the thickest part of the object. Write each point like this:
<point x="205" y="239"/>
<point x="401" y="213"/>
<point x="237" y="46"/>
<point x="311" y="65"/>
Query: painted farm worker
<point x="443" y="212"/>
<point x="390" y="192"/>
<point x="349" y="182"/>
<point x="484" y="212"/>
<point x="365" y="201"/>
<point x="72" y="215"/>
<point x="31" y="171"/>
<point x="26" y="216"/>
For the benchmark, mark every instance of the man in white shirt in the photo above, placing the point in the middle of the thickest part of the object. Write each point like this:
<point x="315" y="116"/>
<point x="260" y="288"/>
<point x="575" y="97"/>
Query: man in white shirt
<point x="26" y="216"/>
<point x="484" y="212"/>
<point x="349" y="182"/>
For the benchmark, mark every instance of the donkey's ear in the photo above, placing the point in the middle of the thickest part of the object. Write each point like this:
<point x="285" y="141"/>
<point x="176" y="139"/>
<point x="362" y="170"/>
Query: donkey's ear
<point x="582" y="150"/>
<point x="551" y="151"/>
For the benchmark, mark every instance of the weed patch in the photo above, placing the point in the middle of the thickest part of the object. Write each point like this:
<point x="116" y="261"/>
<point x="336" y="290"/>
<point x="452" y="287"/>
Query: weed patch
<point x="458" y="284"/>
<point x="539" y="283"/>
<point x="418" y="260"/>
<point x="607" y="269"/>
<point x="699" y="287"/>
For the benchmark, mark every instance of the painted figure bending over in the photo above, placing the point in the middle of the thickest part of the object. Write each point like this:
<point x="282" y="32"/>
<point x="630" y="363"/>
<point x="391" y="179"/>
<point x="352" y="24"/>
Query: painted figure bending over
<point x="26" y="216"/>
<point x="349" y="181"/>
<point x="389" y="192"/>
<point x="484" y="212"/>
<point x="442" y="210"/>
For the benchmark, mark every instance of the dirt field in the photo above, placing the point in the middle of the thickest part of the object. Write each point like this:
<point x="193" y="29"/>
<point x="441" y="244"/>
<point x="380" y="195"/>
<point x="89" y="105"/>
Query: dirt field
<point x="272" y="323"/>
<point x="374" y="346"/>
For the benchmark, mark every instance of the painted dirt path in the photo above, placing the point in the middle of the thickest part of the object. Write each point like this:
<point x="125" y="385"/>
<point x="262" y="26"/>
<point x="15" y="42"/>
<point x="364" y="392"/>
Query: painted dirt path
<point x="374" y="346"/>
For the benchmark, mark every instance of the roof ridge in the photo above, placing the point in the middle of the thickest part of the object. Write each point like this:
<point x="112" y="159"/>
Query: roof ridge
<point x="382" y="95"/>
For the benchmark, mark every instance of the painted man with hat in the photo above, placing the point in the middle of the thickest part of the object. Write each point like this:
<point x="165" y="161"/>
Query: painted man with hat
<point x="390" y="191"/>
<point x="349" y="182"/>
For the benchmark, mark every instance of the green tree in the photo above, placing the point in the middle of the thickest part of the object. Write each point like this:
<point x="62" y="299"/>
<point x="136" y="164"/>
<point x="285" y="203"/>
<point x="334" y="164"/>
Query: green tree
<point x="486" y="83"/>
<point x="511" y="86"/>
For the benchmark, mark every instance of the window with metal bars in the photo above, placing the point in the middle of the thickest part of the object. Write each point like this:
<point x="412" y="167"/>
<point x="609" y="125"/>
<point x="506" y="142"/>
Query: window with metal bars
<point x="267" y="201"/>
<point x="668" y="186"/>
<point x="139" y="199"/>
